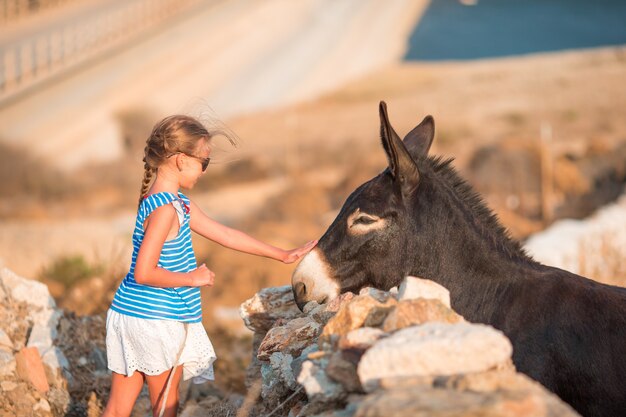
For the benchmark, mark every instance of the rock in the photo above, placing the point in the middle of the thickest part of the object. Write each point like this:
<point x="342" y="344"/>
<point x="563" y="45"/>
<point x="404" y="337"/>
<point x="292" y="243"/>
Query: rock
<point x="7" y="363"/>
<point x="336" y="303"/>
<point x="419" y="401"/>
<point x="348" y="411"/>
<point x="362" y="310"/>
<point x="20" y="401"/>
<point x="362" y="338"/>
<point x="277" y="378"/>
<point x="413" y="287"/>
<point x="501" y="377"/>
<point x="342" y="369"/>
<point x="55" y="359"/>
<point x="492" y="380"/>
<point x="30" y="368"/>
<point x="41" y="337"/>
<point x="281" y="363"/>
<point x="291" y="338"/>
<point x="5" y="340"/>
<point x="379" y="295"/>
<point x="411" y="312"/>
<point x="268" y="305"/>
<point x="316" y="409"/>
<point x="310" y="306"/>
<point x="27" y="290"/>
<point x="7" y="386"/>
<point x="42" y="405"/>
<point x="60" y="401"/>
<point x="321" y="315"/>
<point x="318" y="387"/>
<point x="434" y="349"/>
<point x="307" y="353"/>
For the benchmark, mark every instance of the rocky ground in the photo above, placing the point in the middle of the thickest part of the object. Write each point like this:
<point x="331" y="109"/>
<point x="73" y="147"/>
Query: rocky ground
<point x="53" y="362"/>
<point x="397" y="353"/>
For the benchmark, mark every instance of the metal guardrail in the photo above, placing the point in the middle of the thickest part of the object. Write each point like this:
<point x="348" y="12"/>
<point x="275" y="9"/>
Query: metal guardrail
<point x="12" y="11"/>
<point x="30" y="60"/>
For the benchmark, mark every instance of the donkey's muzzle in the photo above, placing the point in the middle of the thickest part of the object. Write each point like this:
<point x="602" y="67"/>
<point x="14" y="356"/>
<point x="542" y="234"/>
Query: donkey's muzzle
<point x="299" y="294"/>
<point x="313" y="280"/>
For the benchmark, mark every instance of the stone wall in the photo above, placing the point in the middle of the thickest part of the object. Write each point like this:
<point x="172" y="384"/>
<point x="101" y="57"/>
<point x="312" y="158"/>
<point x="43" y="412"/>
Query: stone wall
<point x="399" y="353"/>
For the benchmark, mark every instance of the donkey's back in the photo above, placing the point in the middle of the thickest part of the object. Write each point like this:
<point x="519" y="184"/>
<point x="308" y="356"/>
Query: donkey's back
<point x="569" y="333"/>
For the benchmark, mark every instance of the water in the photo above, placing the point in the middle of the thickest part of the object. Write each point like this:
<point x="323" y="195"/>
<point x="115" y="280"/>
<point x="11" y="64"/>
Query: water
<point x="450" y="30"/>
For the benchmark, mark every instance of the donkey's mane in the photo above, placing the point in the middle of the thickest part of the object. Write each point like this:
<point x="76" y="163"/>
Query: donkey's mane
<point x="475" y="203"/>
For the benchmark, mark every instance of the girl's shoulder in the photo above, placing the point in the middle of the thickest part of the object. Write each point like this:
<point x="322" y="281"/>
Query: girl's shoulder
<point x="184" y="198"/>
<point x="151" y="202"/>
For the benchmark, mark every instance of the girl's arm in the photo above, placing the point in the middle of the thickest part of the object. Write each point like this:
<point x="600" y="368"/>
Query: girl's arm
<point x="157" y="228"/>
<point x="235" y="239"/>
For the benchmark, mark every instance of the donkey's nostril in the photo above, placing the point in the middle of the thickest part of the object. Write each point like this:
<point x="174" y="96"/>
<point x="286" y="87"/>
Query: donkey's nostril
<point x="300" y="288"/>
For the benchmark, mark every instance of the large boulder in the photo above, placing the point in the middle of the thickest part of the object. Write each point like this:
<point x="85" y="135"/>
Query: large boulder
<point x="434" y="349"/>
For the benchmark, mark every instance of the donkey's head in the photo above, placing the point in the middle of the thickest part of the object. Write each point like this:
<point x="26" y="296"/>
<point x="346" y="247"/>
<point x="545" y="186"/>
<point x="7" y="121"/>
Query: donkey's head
<point x="376" y="227"/>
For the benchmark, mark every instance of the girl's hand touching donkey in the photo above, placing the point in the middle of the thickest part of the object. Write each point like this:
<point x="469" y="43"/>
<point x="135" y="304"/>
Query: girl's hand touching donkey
<point x="295" y="254"/>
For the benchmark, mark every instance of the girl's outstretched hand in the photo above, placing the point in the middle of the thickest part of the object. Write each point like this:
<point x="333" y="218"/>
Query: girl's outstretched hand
<point x="202" y="276"/>
<point x="295" y="254"/>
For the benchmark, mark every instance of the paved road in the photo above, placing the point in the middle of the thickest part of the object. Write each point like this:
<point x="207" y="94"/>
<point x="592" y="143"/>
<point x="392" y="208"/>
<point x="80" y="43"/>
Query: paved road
<point x="233" y="57"/>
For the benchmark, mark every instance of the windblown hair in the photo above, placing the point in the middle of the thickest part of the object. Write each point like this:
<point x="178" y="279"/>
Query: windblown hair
<point x="173" y="134"/>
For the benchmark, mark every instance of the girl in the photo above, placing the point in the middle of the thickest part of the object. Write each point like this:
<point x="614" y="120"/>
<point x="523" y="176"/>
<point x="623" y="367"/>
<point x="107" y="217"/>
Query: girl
<point x="154" y="329"/>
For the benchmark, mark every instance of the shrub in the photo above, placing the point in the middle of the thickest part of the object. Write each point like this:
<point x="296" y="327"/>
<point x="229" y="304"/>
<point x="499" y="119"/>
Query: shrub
<point x="68" y="270"/>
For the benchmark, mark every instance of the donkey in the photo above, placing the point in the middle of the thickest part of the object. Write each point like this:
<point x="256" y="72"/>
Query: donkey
<point x="418" y="217"/>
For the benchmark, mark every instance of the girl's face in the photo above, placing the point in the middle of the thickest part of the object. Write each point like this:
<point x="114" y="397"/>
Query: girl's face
<point x="194" y="165"/>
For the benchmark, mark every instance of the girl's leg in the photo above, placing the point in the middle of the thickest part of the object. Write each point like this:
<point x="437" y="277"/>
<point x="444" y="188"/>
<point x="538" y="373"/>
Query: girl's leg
<point x="124" y="392"/>
<point x="156" y="386"/>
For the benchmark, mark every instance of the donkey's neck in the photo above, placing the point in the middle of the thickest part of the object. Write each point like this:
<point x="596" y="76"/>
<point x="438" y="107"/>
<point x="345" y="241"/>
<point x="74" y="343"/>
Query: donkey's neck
<point x="469" y="252"/>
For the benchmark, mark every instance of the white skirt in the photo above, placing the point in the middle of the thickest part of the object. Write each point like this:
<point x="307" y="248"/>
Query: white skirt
<point x="152" y="346"/>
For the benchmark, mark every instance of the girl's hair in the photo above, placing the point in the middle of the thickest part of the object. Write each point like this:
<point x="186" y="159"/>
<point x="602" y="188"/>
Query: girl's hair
<point x="177" y="133"/>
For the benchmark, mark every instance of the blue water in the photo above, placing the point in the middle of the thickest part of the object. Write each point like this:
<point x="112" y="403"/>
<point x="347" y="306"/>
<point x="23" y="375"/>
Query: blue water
<point x="493" y="28"/>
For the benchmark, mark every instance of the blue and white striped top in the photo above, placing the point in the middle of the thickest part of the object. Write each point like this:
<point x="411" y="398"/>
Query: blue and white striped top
<point x="148" y="302"/>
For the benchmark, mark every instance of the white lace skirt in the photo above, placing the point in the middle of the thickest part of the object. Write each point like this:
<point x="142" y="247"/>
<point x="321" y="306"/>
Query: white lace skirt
<point x="152" y="346"/>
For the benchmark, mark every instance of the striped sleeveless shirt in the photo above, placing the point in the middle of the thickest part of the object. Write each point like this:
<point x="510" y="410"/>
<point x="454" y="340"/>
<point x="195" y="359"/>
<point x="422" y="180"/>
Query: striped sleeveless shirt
<point x="144" y="301"/>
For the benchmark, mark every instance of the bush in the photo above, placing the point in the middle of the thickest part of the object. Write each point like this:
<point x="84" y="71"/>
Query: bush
<point x="68" y="270"/>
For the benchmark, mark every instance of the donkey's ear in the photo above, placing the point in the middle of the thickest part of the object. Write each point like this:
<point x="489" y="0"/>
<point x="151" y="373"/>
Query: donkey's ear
<point x="401" y="165"/>
<point x="418" y="140"/>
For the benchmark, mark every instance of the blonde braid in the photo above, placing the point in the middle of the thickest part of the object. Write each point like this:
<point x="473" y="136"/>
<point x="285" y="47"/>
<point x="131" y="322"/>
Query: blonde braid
<point x="145" y="183"/>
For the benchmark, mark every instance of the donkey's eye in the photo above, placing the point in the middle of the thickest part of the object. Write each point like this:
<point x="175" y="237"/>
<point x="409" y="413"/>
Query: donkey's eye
<point x="364" y="220"/>
<point x="360" y="223"/>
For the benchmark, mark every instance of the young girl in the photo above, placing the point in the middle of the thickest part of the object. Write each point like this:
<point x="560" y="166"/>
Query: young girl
<point x="154" y="329"/>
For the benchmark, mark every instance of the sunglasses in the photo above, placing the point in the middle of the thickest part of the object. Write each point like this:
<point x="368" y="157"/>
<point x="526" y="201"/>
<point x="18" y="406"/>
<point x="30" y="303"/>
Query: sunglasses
<point x="204" y="161"/>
